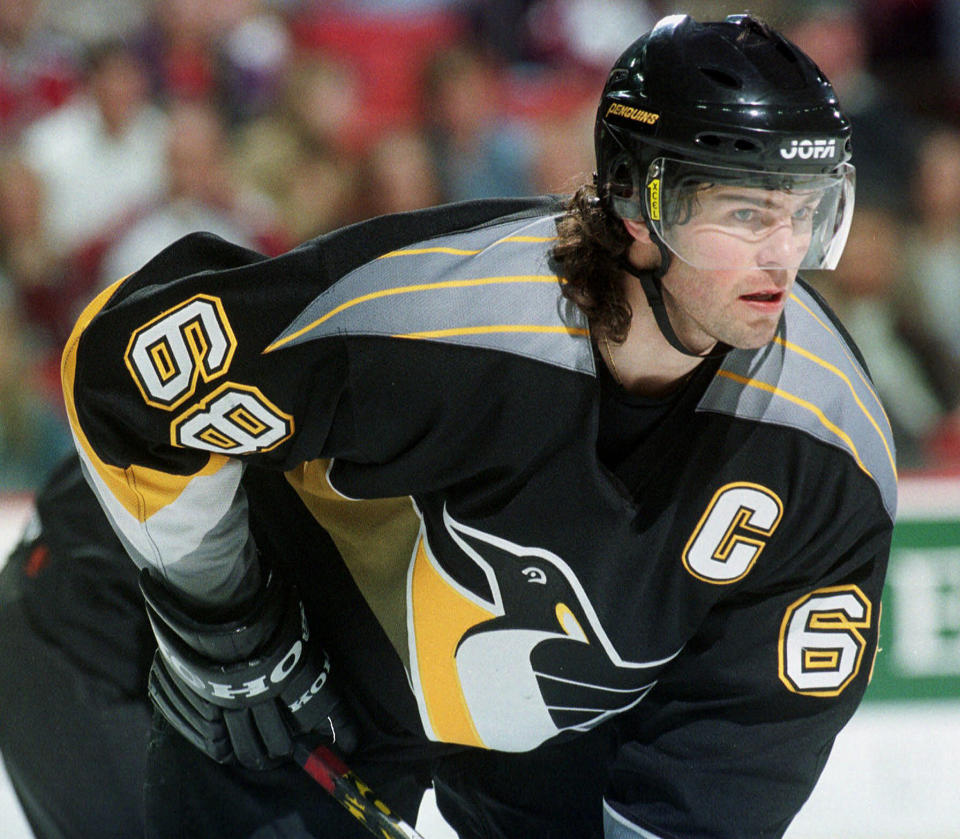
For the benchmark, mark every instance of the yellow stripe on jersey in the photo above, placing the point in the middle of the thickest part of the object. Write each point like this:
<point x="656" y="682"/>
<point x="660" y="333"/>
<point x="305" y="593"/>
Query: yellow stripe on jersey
<point x="140" y="490"/>
<point x="487" y="330"/>
<point x="463" y="251"/>
<point x="840" y="374"/>
<point x="803" y="403"/>
<point x="863" y="379"/>
<point x="409" y="289"/>
<point x="421" y="251"/>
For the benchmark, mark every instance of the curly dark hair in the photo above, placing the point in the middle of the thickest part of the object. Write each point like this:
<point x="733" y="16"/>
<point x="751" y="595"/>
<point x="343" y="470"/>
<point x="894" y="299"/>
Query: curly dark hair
<point x="591" y="245"/>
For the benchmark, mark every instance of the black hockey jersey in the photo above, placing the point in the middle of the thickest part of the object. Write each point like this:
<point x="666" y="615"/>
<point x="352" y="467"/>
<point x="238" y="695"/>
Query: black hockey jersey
<point x="433" y="400"/>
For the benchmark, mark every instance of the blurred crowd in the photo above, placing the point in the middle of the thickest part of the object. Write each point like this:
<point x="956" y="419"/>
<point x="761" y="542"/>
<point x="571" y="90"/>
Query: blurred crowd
<point x="125" y="124"/>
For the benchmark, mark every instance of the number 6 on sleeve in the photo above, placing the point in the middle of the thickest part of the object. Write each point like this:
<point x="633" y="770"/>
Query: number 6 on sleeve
<point x="821" y="640"/>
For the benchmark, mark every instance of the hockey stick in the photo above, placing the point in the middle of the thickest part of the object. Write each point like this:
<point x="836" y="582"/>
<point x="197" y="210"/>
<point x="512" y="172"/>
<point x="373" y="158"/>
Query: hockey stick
<point x="362" y="803"/>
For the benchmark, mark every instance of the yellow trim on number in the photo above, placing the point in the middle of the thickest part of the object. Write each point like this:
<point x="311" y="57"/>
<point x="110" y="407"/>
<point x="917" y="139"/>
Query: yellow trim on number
<point x="141" y="491"/>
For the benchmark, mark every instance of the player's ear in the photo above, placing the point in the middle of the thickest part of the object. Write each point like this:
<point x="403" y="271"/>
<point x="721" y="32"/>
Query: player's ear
<point x="637" y="228"/>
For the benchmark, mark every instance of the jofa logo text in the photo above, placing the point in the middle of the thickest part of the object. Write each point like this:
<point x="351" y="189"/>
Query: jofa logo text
<point x="809" y="149"/>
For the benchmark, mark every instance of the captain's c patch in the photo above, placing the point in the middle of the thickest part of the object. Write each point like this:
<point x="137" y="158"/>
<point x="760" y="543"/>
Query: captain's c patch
<point x="732" y="532"/>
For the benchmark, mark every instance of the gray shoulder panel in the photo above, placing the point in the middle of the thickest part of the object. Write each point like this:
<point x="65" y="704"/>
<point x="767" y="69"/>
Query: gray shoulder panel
<point x="616" y="826"/>
<point x="491" y="287"/>
<point x="809" y="379"/>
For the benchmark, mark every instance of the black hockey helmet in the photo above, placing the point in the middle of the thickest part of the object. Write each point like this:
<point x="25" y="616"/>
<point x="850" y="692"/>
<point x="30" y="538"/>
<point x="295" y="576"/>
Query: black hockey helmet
<point x="731" y="103"/>
<point x="732" y="95"/>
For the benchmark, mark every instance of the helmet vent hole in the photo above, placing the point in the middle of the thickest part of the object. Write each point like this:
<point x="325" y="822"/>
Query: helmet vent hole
<point x="722" y="77"/>
<point x="726" y="144"/>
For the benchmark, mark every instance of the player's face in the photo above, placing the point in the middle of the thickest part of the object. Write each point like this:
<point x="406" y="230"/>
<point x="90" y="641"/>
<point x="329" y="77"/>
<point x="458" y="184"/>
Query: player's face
<point x="738" y="307"/>
<point x="743" y="227"/>
<point x="765" y="234"/>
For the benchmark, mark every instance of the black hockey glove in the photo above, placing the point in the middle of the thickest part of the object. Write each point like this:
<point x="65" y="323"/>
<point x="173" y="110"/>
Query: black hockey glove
<point x="242" y="690"/>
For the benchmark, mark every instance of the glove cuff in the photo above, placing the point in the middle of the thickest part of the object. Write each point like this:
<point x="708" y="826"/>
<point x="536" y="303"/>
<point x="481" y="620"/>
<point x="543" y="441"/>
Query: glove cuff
<point x="234" y="663"/>
<point x="224" y="641"/>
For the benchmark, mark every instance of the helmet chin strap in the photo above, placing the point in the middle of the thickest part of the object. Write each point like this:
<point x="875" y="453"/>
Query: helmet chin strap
<point x="652" y="289"/>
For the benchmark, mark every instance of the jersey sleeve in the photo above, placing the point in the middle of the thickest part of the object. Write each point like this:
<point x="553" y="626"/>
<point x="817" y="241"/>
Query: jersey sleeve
<point x="170" y="393"/>
<point x="212" y="356"/>
<point x="733" y="738"/>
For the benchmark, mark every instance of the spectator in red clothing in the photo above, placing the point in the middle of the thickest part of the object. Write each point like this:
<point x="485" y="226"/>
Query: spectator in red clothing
<point x="232" y="55"/>
<point x="100" y="157"/>
<point x="39" y="69"/>
<point x="387" y="46"/>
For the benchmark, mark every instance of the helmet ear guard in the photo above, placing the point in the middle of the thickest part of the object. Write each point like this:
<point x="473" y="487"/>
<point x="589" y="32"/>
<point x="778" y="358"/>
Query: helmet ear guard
<point x="623" y="187"/>
<point x="623" y="192"/>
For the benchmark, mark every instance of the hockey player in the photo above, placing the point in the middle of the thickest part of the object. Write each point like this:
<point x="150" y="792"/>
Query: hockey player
<point x="605" y="489"/>
<point x="75" y="650"/>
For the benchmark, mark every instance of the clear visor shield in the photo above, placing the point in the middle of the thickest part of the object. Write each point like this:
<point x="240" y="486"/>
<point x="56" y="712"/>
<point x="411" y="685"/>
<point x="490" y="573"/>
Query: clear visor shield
<point x="717" y="218"/>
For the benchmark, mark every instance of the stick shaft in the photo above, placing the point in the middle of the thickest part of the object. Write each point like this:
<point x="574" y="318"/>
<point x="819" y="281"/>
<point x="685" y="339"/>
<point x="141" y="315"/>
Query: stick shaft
<point x="357" y="798"/>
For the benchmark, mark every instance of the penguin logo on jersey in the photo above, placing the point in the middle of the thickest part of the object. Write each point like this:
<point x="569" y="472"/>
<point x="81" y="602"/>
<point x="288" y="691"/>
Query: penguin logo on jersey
<point x="511" y="662"/>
